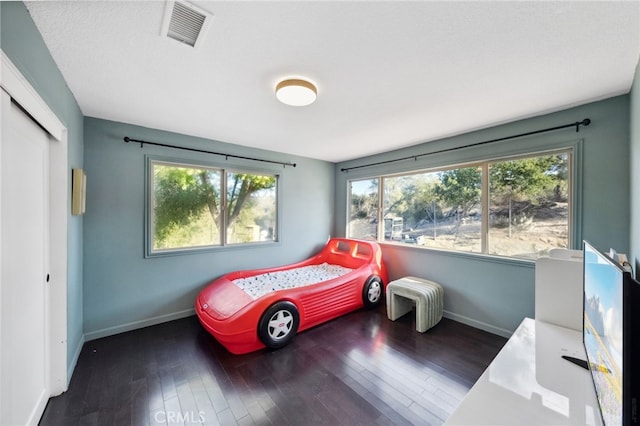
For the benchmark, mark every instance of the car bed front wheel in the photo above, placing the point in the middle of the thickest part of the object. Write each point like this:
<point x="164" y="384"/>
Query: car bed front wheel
<point x="279" y="324"/>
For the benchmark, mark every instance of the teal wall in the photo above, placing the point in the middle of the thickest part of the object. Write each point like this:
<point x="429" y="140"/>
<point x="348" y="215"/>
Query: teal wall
<point x="122" y="289"/>
<point x="634" y="121"/>
<point x="22" y="43"/>
<point x="493" y="293"/>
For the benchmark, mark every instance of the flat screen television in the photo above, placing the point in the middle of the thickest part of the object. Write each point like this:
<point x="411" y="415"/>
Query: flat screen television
<point x="610" y="336"/>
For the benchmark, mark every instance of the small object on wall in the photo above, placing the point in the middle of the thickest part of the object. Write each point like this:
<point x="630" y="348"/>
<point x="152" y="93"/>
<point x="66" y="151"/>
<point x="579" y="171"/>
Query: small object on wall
<point x="78" y="192"/>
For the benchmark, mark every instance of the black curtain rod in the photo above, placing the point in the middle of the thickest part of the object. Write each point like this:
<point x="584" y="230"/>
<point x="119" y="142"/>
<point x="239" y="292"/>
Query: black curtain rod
<point x="127" y="139"/>
<point x="577" y="125"/>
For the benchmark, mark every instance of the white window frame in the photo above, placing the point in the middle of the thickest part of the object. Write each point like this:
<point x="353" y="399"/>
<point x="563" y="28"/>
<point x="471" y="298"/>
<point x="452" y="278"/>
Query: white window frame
<point x="573" y="151"/>
<point x="151" y="161"/>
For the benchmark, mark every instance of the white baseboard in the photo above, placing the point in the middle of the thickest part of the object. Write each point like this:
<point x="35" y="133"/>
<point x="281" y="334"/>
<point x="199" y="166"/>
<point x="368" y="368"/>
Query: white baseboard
<point x="110" y="331"/>
<point x="478" y="324"/>
<point x="74" y="360"/>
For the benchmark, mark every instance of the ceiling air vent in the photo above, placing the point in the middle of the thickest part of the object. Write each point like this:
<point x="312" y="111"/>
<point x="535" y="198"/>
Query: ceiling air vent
<point x="185" y="23"/>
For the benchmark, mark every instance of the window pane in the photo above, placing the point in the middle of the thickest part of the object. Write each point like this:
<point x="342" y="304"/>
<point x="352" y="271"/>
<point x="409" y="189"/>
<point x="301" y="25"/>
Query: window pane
<point x="251" y="208"/>
<point x="437" y="209"/>
<point x="186" y="206"/>
<point x="529" y="206"/>
<point x="402" y="203"/>
<point x="363" y="209"/>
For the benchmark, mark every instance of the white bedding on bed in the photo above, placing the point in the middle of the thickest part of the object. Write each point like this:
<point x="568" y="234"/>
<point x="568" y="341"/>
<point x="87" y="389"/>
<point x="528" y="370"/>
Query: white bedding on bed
<point x="259" y="285"/>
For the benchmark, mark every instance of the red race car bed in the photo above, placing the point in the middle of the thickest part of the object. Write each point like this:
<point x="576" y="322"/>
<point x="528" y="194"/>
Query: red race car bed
<point x="249" y="310"/>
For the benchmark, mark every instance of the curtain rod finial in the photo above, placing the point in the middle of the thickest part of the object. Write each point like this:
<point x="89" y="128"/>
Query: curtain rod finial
<point x="126" y="139"/>
<point x="584" y="122"/>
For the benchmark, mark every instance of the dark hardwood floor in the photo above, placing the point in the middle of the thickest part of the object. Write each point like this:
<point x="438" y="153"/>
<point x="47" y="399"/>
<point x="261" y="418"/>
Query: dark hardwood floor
<point x="361" y="369"/>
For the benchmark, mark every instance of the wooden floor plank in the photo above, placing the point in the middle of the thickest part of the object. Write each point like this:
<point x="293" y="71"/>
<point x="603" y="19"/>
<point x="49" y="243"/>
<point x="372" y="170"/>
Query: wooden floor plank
<point x="358" y="369"/>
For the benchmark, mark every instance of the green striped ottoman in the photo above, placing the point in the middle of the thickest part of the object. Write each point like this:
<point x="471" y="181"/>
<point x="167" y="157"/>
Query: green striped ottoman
<point x="427" y="296"/>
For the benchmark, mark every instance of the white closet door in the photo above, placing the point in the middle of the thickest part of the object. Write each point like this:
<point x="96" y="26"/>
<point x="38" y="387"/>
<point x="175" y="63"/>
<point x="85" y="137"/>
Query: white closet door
<point x="24" y="235"/>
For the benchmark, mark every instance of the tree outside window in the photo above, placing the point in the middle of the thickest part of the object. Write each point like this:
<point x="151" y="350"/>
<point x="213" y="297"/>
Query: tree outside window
<point x="439" y="209"/>
<point x="363" y="209"/>
<point x="529" y="205"/>
<point x="525" y="213"/>
<point x="188" y="209"/>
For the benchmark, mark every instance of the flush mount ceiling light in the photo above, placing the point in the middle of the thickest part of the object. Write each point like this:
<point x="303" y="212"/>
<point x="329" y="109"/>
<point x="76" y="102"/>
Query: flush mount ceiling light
<point x="296" y="92"/>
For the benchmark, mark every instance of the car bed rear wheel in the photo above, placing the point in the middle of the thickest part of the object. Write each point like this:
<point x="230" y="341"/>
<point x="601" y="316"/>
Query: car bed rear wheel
<point x="279" y="324"/>
<point x="372" y="292"/>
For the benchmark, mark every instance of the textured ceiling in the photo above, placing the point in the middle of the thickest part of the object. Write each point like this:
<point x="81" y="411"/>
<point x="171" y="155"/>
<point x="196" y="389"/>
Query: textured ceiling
<point x="389" y="74"/>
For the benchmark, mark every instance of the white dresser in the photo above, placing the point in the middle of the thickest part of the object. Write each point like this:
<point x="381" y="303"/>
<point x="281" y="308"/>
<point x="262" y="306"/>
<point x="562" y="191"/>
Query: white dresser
<point x="528" y="383"/>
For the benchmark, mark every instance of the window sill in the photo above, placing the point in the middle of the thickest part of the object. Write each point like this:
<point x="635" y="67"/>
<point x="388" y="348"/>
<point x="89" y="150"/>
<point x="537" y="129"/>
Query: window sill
<point x="210" y="249"/>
